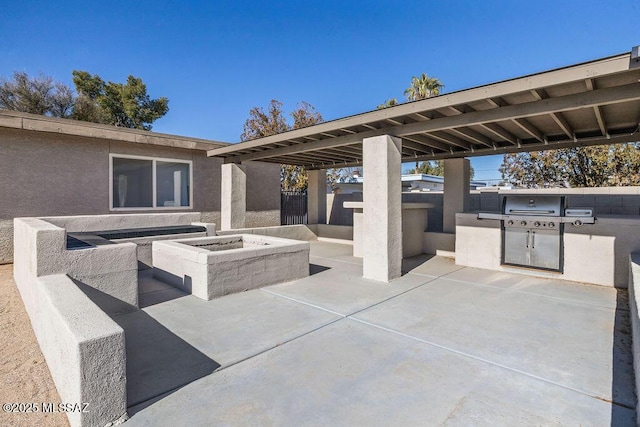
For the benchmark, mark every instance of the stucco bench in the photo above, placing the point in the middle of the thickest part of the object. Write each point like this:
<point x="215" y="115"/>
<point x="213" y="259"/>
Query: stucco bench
<point x="142" y="237"/>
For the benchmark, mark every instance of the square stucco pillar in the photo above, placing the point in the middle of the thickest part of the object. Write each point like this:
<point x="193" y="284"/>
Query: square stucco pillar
<point x="233" y="206"/>
<point x="317" y="197"/>
<point x="456" y="196"/>
<point x="382" y="210"/>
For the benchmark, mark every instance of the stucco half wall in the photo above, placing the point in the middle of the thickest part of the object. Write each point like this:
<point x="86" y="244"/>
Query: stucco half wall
<point x="55" y="174"/>
<point x="597" y="254"/>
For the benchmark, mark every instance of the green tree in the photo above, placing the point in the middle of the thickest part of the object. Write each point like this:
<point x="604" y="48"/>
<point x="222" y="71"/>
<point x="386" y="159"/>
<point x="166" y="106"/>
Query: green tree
<point x="435" y="167"/>
<point x="121" y="104"/>
<point x="37" y="95"/>
<point x="388" y="103"/>
<point x="598" y="166"/>
<point x="423" y="87"/>
<point x="261" y="124"/>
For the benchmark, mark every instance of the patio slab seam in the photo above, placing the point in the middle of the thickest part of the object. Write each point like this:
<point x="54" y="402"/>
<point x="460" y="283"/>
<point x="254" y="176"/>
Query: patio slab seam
<point x="515" y="370"/>
<point x="335" y="259"/>
<point x="567" y="300"/>
<point x="489" y="362"/>
<point x="224" y="367"/>
<point x="257" y="353"/>
<point x="430" y="275"/>
<point x="355" y="312"/>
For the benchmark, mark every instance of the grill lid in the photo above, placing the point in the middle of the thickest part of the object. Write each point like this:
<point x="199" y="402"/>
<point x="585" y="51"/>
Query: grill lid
<point x="532" y="205"/>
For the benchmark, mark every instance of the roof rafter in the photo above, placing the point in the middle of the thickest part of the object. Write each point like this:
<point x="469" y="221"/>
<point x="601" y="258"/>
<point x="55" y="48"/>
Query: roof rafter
<point x="475" y="137"/>
<point x="559" y="118"/>
<point x="450" y="139"/>
<point x="424" y="142"/>
<point x="526" y="126"/>
<point x="591" y="85"/>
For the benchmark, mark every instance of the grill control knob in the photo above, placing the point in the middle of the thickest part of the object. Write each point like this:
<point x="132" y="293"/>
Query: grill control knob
<point x="510" y="222"/>
<point x="523" y="222"/>
<point x="537" y="223"/>
<point x="552" y="224"/>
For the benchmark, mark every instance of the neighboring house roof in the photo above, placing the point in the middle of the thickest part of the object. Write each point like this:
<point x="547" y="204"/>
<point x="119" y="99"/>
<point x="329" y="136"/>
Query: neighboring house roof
<point x="37" y="123"/>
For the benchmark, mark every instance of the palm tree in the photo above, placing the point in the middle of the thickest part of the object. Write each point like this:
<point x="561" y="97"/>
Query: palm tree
<point x="423" y="87"/>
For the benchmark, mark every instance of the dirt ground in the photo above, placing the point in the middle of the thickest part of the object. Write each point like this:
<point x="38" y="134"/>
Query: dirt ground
<point x="24" y="375"/>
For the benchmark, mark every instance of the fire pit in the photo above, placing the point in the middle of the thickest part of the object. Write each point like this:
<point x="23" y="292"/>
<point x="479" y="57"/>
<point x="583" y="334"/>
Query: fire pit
<point x="210" y="267"/>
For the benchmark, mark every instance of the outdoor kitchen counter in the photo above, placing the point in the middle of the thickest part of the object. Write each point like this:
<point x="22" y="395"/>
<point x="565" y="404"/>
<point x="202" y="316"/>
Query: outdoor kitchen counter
<point x="593" y="253"/>
<point x="414" y="224"/>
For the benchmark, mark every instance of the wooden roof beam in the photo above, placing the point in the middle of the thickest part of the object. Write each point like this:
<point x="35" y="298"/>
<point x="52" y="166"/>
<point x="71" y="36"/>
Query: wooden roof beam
<point x="522" y="123"/>
<point x="526" y="126"/>
<point x="451" y="140"/>
<point x="591" y="85"/>
<point x="474" y="136"/>
<point x="415" y="147"/>
<point x="559" y="118"/>
<point x="431" y="143"/>
<point x="419" y="117"/>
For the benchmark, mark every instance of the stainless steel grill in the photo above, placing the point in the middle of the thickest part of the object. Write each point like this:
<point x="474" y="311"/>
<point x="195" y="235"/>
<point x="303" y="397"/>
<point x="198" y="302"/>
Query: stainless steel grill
<point x="533" y="227"/>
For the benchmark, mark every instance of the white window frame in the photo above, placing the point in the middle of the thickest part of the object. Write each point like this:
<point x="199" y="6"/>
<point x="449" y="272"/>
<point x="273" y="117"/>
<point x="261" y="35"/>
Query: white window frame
<point x="154" y="184"/>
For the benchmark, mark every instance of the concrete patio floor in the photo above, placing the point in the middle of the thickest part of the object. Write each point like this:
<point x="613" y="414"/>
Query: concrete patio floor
<point x="442" y="345"/>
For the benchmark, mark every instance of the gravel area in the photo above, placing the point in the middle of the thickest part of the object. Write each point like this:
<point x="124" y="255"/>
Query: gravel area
<point x="24" y="375"/>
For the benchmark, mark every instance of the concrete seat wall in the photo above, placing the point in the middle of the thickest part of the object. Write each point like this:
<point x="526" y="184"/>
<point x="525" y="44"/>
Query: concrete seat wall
<point x="91" y="223"/>
<point x="83" y="347"/>
<point x="634" y="307"/>
<point x="69" y="296"/>
<point x="110" y="270"/>
<point x="295" y="232"/>
<point x="88" y="223"/>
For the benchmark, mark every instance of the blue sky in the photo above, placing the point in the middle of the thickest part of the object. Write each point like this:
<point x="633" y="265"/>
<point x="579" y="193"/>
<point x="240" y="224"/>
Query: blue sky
<point x="215" y="60"/>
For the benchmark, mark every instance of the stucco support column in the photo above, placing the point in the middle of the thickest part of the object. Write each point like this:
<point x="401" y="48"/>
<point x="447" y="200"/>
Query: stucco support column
<point x="317" y="197"/>
<point x="382" y="196"/>
<point x="233" y="206"/>
<point x="456" y="198"/>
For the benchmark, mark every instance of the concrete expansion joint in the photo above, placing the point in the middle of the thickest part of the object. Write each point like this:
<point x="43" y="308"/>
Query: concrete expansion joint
<point x="442" y="347"/>
<point x="489" y="362"/>
<point x="303" y="302"/>
<point x="222" y="368"/>
<point x="519" y="291"/>
<point x="334" y="259"/>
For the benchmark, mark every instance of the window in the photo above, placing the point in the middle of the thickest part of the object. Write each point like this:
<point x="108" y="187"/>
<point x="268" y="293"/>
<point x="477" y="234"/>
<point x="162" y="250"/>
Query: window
<point x="149" y="183"/>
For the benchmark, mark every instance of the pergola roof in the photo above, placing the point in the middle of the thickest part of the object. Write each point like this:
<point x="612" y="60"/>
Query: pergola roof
<point x="592" y="103"/>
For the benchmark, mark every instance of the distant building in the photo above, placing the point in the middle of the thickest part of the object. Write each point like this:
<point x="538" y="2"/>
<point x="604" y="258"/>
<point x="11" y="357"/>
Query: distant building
<point x="415" y="182"/>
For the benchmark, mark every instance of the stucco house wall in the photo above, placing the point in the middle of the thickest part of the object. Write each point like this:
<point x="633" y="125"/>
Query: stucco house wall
<point x="54" y="173"/>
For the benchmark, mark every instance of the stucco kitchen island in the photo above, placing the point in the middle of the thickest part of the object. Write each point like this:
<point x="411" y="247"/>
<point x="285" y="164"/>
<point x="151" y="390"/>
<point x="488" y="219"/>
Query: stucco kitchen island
<point x="593" y="253"/>
<point x="414" y="223"/>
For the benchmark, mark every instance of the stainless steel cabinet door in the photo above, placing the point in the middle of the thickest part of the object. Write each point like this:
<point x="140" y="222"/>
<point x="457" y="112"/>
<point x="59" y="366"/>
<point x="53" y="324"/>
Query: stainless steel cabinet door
<point x="516" y="246"/>
<point x="545" y="249"/>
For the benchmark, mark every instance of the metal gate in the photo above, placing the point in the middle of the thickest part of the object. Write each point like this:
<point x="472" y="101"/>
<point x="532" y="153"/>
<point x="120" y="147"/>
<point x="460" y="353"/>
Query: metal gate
<point x="293" y="207"/>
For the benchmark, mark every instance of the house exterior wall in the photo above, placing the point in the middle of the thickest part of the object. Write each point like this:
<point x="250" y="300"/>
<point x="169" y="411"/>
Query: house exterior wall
<point x="49" y="174"/>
